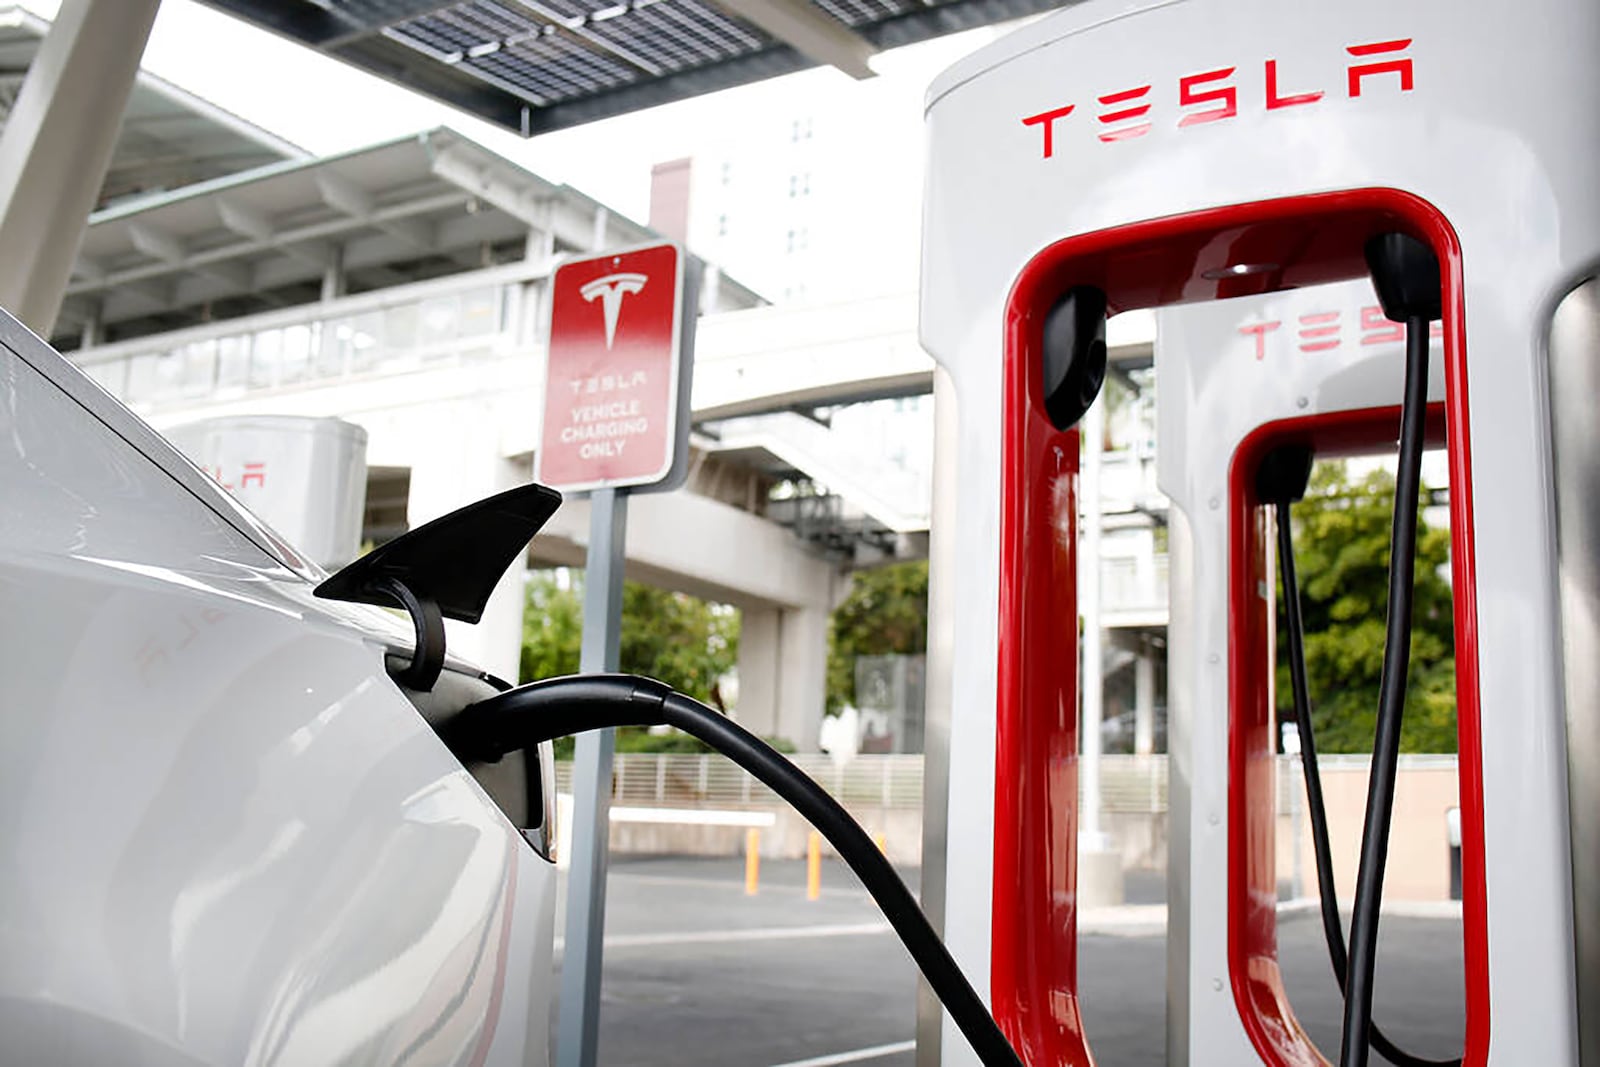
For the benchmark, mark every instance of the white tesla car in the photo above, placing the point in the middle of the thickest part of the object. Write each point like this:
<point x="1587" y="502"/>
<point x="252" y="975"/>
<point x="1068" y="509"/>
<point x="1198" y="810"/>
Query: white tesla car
<point x="227" y="834"/>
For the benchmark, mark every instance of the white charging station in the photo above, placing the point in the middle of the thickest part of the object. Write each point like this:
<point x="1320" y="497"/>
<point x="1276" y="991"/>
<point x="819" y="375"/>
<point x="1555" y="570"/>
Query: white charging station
<point x="1225" y="163"/>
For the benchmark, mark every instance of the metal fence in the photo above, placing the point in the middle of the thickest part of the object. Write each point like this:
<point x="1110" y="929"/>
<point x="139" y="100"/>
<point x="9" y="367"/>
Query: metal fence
<point x="1136" y="784"/>
<point x="1128" y="784"/>
<point x="686" y="780"/>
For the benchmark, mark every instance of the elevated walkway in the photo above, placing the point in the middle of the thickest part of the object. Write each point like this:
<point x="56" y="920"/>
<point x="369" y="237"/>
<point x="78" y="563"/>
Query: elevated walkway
<point x="808" y="356"/>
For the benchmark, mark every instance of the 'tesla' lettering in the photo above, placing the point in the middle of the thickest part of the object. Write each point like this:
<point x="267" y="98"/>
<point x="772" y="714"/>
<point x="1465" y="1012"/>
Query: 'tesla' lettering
<point x="1320" y="331"/>
<point x="1125" y="114"/>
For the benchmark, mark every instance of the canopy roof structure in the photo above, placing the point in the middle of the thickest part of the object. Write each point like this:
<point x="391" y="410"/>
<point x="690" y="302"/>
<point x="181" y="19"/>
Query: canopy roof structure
<point x="538" y="65"/>
<point x="169" y="138"/>
<point x="419" y="207"/>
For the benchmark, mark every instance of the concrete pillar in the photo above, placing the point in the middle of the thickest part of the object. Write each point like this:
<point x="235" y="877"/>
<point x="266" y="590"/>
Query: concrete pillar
<point x="1144" y="703"/>
<point x="57" y="145"/>
<point x="758" y="670"/>
<point x="783" y="673"/>
<point x="461" y="468"/>
<point x="803" y="675"/>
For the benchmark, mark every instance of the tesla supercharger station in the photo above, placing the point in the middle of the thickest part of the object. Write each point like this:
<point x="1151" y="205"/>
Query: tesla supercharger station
<point x="1227" y="163"/>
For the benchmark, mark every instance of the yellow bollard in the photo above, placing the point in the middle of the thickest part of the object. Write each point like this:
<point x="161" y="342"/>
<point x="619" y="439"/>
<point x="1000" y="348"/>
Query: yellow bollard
<point x="814" y="866"/>
<point x="752" y="861"/>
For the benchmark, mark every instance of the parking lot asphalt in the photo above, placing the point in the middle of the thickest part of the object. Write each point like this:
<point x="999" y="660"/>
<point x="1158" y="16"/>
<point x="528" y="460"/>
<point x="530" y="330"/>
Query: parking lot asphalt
<point x="699" y="973"/>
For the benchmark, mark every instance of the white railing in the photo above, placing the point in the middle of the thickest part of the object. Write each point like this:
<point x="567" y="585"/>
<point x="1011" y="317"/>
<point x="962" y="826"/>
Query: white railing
<point x="412" y="327"/>
<point x="1128" y="784"/>
<point x="689" y="780"/>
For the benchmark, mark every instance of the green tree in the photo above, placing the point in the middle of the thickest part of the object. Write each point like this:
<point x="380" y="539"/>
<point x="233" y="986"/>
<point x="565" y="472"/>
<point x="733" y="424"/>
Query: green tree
<point x="1341" y="537"/>
<point x="552" y="627"/>
<point x="885" y="612"/>
<point x="681" y="640"/>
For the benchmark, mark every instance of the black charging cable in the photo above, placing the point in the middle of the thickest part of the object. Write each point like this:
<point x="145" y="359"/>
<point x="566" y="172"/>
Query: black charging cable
<point x="541" y="711"/>
<point x="1391" y="703"/>
<point x="1332" y="927"/>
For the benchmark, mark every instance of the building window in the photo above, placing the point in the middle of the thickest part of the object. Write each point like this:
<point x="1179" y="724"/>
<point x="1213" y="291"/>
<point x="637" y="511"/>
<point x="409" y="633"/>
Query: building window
<point x="800" y="130"/>
<point x="727" y="172"/>
<point x="722" y="225"/>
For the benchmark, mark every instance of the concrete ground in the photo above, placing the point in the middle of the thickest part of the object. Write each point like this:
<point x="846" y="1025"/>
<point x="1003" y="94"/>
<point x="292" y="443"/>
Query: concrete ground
<point x="697" y="973"/>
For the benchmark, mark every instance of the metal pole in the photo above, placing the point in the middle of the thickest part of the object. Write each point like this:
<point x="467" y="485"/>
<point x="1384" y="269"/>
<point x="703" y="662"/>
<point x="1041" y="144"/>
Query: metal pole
<point x="578" y="1025"/>
<point x="57" y="146"/>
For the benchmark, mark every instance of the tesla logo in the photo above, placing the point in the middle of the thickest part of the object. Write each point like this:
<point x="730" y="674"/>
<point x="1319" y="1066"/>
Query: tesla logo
<point x="1320" y="331"/>
<point x="1213" y="95"/>
<point x="610" y="290"/>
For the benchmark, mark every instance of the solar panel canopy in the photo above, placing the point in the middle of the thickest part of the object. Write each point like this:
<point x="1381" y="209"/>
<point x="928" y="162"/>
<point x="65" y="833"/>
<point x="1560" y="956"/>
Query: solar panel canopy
<point x="538" y="65"/>
<point x="169" y="137"/>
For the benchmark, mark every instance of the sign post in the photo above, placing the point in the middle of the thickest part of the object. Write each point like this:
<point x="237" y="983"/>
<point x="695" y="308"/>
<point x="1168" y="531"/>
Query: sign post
<point x="616" y="417"/>
<point x="578" y="1025"/>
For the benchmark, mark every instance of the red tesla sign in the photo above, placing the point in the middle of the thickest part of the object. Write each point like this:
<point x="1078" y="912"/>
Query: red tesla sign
<point x="612" y="385"/>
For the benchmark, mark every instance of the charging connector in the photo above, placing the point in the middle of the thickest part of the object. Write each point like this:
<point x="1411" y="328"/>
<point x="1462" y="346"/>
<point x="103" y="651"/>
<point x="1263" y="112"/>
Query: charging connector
<point x="1073" y="349"/>
<point x="556" y="707"/>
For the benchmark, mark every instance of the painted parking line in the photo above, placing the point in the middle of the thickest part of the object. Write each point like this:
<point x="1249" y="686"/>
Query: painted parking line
<point x="755" y="933"/>
<point x="857" y="1056"/>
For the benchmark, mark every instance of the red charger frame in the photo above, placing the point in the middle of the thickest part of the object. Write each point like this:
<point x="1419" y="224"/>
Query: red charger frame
<point x="1304" y="240"/>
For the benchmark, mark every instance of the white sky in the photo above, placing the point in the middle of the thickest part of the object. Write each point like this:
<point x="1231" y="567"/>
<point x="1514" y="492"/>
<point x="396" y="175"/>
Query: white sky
<point x="326" y="106"/>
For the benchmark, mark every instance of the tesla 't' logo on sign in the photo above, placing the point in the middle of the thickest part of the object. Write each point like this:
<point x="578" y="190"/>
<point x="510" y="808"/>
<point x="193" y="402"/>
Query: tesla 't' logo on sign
<point x="611" y="289"/>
